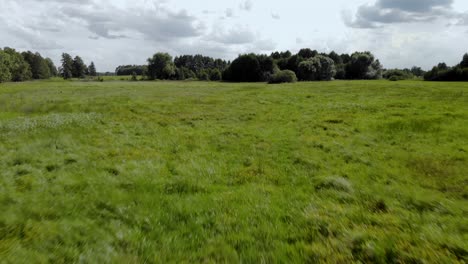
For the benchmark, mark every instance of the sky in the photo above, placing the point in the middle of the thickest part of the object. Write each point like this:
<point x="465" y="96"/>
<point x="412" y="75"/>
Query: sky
<point x="401" y="33"/>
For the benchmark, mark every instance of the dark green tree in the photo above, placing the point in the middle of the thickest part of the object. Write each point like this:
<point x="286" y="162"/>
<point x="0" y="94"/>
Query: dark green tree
<point x="52" y="69"/>
<point x="417" y="71"/>
<point x="362" y="65"/>
<point x="92" y="70"/>
<point x="307" y="53"/>
<point x="20" y="70"/>
<point x="5" y="74"/>
<point x="78" y="68"/>
<point x="215" y="75"/>
<point x="160" y="66"/>
<point x="245" y="68"/>
<point x="318" y="68"/>
<point x="67" y="66"/>
<point x="464" y="62"/>
<point x="39" y="67"/>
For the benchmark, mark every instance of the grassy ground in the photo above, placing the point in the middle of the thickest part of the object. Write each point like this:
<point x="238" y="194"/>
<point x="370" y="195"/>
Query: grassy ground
<point x="134" y="172"/>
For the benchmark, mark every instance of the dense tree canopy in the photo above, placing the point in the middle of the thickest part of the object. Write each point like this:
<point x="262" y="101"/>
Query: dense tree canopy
<point x="318" y="68"/>
<point x="442" y="72"/>
<point x="161" y="66"/>
<point x="79" y="69"/>
<point x="464" y="62"/>
<point x="39" y="67"/>
<point x="362" y="65"/>
<point x="130" y="69"/>
<point x="307" y="64"/>
<point x="246" y="68"/>
<point x="15" y="66"/>
<point x="20" y="69"/>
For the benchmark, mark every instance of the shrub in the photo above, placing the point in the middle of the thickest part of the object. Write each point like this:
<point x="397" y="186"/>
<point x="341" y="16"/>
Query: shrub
<point x="285" y="76"/>
<point x="134" y="77"/>
<point x="215" y="75"/>
<point x="397" y="75"/>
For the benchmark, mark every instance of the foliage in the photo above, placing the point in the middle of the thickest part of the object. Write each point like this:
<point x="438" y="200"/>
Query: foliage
<point x="442" y="72"/>
<point x="246" y="68"/>
<point x="397" y="75"/>
<point x="20" y="70"/>
<point x="125" y="70"/>
<point x="134" y="77"/>
<point x="464" y="62"/>
<point x="161" y="66"/>
<point x="363" y="66"/>
<point x="417" y="71"/>
<point x="307" y="53"/>
<point x="199" y="62"/>
<point x="183" y="73"/>
<point x="17" y="67"/>
<point x="285" y="76"/>
<point x="79" y="69"/>
<point x="203" y="75"/>
<point x="5" y="74"/>
<point x="67" y="66"/>
<point x="216" y="75"/>
<point x="318" y="68"/>
<point x="39" y="67"/>
<point x="92" y="69"/>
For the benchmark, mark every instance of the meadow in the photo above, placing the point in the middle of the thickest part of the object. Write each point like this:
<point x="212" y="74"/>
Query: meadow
<point x="209" y="172"/>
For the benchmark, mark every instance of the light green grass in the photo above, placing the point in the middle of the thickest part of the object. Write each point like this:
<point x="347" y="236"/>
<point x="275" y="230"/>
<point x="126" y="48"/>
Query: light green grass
<point x="183" y="172"/>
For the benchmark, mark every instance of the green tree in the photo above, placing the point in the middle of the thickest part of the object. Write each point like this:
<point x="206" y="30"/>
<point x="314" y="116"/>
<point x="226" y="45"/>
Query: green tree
<point x="19" y="68"/>
<point x="52" y="69"/>
<point x="307" y="53"/>
<point x="417" y="71"/>
<point x="92" y="70"/>
<point x="67" y="66"/>
<point x="215" y="75"/>
<point x="336" y="58"/>
<point x="39" y="67"/>
<point x="5" y="74"/>
<point x="245" y="68"/>
<point x="318" y="68"/>
<point x="78" y="68"/>
<point x="362" y="65"/>
<point x="161" y="66"/>
<point x="285" y="76"/>
<point x="184" y="73"/>
<point x="293" y="63"/>
<point x="134" y="77"/>
<point x="464" y="62"/>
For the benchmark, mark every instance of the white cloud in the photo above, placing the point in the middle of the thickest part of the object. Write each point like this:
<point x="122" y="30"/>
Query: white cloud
<point x="114" y="32"/>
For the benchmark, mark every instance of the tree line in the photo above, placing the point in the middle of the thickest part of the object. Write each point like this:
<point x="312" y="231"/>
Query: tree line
<point x="442" y="72"/>
<point x="306" y="65"/>
<point x="17" y="67"/>
<point x="75" y="67"/>
<point x="277" y="67"/>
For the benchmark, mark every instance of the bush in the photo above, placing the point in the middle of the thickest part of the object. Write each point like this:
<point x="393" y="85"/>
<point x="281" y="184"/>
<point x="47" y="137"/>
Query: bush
<point x="397" y="75"/>
<point x="215" y="75"/>
<point x="134" y="77"/>
<point x="285" y="76"/>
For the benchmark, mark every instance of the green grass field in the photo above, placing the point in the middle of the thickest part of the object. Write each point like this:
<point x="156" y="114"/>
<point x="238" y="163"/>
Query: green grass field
<point x="183" y="172"/>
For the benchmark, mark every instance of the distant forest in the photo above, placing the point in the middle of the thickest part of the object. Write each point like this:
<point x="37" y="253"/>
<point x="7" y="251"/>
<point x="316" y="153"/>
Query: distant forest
<point x="278" y="67"/>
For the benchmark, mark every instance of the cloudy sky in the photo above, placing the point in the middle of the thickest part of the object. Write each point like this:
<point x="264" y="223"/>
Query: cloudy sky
<point x="401" y="33"/>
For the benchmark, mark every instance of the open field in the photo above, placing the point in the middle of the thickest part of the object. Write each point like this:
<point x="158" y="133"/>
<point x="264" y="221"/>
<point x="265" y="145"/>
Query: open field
<point x="156" y="172"/>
